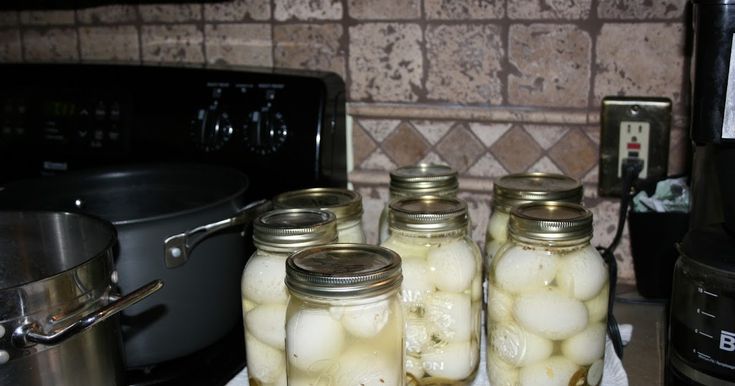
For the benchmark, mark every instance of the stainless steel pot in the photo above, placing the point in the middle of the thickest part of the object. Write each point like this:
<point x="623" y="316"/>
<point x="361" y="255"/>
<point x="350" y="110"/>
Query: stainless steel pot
<point x="57" y="300"/>
<point x="181" y="223"/>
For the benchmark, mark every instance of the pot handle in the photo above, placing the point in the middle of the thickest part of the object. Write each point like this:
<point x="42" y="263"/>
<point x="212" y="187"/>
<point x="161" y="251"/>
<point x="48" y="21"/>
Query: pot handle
<point x="178" y="247"/>
<point x="31" y="333"/>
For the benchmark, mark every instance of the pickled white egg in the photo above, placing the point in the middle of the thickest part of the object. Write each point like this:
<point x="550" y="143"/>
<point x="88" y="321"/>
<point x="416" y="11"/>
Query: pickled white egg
<point x="522" y="269"/>
<point x="263" y="279"/>
<point x="312" y="335"/>
<point x="282" y="380"/>
<point x="418" y="335"/>
<point x="555" y="371"/>
<point x="452" y="266"/>
<point x="500" y="372"/>
<point x="499" y="304"/>
<point x="497" y="226"/>
<point x="366" y="320"/>
<point x="406" y="249"/>
<point x="518" y="346"/>
<point x="550" y="313"/>
<point x="597" y="306"/>
<point x="303" y="380"/>
<point x="414" y="367"/>
<point x="416" y="280"/>
<point x="267" y="322"/>
<point x="476" y="289"/>
<point x="455" y="361"/>
<point x="582" y="273"/>
<point x="587" y="346"/>
<point x="594" y="374"/>
<point x="247" y="305"/>
<point x="364" y="365"/>
<point x="265" y="363"/>
<point x="450" y="315"/>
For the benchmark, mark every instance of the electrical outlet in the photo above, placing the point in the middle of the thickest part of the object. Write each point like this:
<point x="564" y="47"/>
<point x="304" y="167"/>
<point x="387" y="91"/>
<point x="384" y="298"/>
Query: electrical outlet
<point x="633" y="127"/>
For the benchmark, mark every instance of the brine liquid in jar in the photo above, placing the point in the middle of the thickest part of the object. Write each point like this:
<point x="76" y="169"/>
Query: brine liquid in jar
<point x="547" y="300"/>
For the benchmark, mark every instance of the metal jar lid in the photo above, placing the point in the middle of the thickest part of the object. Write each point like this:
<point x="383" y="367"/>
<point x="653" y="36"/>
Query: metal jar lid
<point x="551" y="221"/>
<point x="344" y="203"/>
<point x="428" y="214"/>
<point x="521" y="188"/>
<point x="286" y="230"/>
<point x="424" y="179"/>
<point x="343" y="271"/>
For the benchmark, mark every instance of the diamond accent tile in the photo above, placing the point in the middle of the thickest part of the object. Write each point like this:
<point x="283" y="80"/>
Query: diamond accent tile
<point x="575" y="154"/>
<point x="378" y="161"/>
<point x="516" y="150"/>
<point x="460" y="148"/>
<point x="545" y="135"/>
<point x="545" y="165"/>
<point x="489" y="133"/>
<point x="362" y="144"/>
<point x="379" y="129"/>
<point x="405" y="145"/>
<point x="487" y="166"/>
<point x="433" y="131"/>
<point x="593" y="177"/>
<point x="433" y="158"/>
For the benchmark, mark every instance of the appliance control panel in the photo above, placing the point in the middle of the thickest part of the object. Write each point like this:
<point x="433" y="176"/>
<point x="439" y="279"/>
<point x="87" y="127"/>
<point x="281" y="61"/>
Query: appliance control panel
<point x="59" y="117"/>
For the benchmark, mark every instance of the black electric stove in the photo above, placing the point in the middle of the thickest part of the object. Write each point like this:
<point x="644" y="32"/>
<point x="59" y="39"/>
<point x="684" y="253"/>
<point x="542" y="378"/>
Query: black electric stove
<point x="284" y="129"/>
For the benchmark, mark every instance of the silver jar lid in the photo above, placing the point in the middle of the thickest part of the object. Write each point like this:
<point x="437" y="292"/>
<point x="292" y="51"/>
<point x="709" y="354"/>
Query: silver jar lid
<point x="286" y="230"/>
<point x="551" y="221"/>
<point x="521" y="188"/>
<point x="344" y="203"/>
<point x="424" y="179"/>
<point x="428" y="214"/>
<point x="343" y="270"/>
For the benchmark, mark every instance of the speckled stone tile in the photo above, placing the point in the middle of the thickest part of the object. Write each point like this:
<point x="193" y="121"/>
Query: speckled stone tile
<point x="238" y="10"/>
<point x="170" y="13"/>
<point x="464" y="63"/>
<point x="464" y="9"/>
<point x="64" y="17"/>
<point x="433" y="131"/>
<point x="385" y="62"/>
<point x="641" y="9"/>
<point x="373" y="202"/>
<point x="405" y="146"/>
<point x="180" y="43"/>
<point x="107" y="14"/>
<point x="9" y="18"/>
<point x="679" y="153"/>
<point x="544" y="9"/>
<point x="308" y="10"/>
<point x="378" y="160"/>
<point x="384" y="9"/>
<point x="239" y="44"/>
<point x="487" y="166"/>
<point x="546" y="135"/>
<point x="551" y="65"/>
<point x="478" y="207"/>
<point x="310" y="46"/>
<point x="604" y="225"/>
<point x="489" y="132"/>
<point x="109" y="43"/>
<point x="362" y="144"/>
<point x="10" y="50"/>
<point x="50" y="44"/>
<point x="516" y="150"/>
<point x="640" y="59"/>
<point x="460" y="148"/>
<point x="593" y="176"/>
<point x="575" y="154"/>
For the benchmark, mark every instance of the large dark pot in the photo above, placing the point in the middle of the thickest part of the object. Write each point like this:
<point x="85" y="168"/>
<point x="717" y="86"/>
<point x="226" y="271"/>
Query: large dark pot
<point x="179" y="223"/>
<point x="57" y="298"/>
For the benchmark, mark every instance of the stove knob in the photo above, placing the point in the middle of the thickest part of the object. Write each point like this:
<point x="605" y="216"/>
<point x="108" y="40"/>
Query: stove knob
<point x="211" y="129"/>
<point x="265" y="131"/>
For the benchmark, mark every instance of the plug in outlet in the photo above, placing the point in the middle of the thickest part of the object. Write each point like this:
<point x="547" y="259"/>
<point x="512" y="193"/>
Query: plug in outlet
<point x="633" y="127"/>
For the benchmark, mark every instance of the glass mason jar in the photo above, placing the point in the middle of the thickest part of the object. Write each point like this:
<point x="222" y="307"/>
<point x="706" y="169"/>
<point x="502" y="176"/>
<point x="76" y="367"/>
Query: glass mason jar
<point x="547" y="300"/>
<point x="516" y="189"/>
<point x="276" y="234"/>
<point x="418" y="180"/>
<point x="441" y="291"/>
<point x="344" y="323"/>
<point x="344" y="203"/>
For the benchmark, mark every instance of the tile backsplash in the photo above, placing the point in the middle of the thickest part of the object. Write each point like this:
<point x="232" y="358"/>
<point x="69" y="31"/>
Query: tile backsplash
<point x="488" y="87"/>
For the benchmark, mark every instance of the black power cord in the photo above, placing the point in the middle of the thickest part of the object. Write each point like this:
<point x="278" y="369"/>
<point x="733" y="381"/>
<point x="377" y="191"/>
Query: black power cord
<point x="631" y="168"/>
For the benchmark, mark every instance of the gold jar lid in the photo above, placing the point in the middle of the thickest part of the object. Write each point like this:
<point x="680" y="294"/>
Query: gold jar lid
<point x="428" y="214"/>
<point x="286" y="230"/>
<point x="521" y="188"/>
<point x="550" y="221"/>
<point x="344" y="203"/>
<point x="343" y="270"/>
<point x="424" y="179"/>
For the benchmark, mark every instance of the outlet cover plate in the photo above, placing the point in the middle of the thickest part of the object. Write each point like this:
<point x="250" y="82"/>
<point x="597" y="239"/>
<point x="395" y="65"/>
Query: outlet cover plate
<point x="653" y="111"/>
